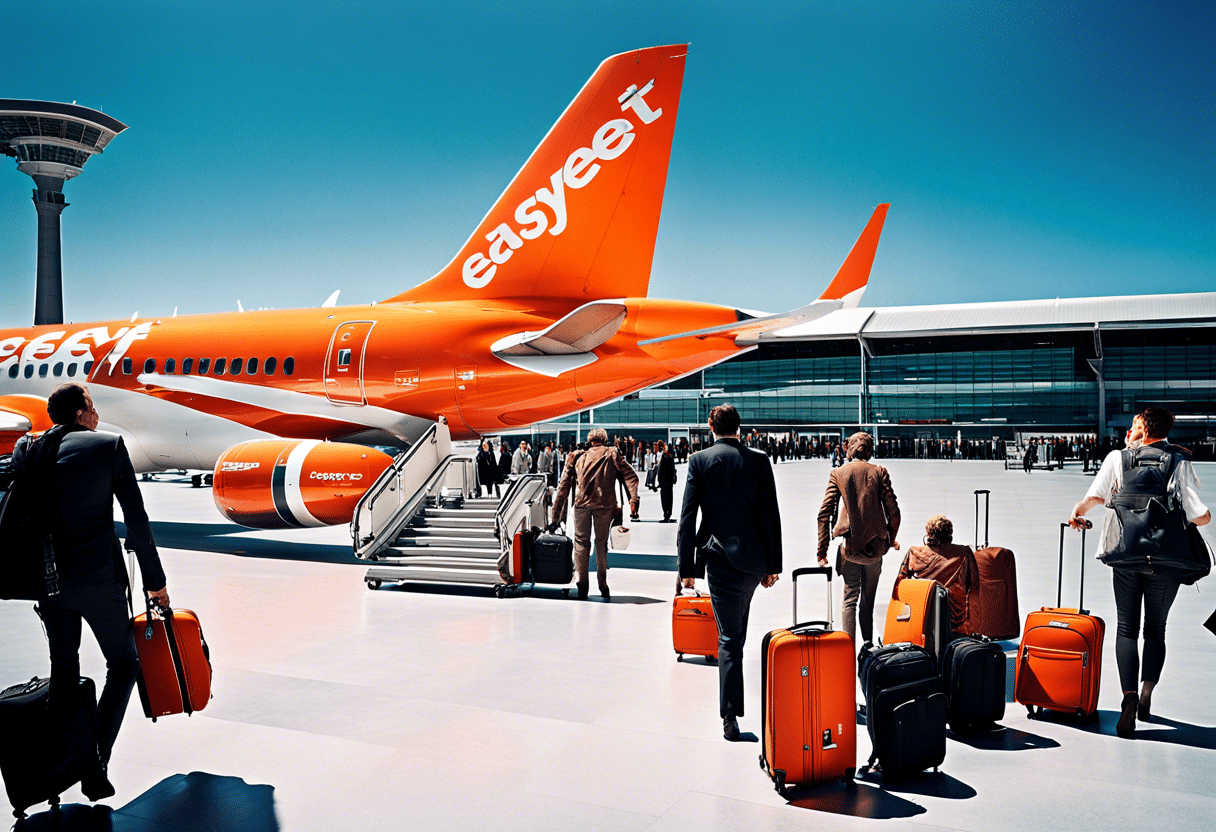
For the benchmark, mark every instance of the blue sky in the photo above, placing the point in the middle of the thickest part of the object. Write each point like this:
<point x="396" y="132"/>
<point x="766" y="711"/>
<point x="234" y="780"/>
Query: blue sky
<point x="280" y="151"/>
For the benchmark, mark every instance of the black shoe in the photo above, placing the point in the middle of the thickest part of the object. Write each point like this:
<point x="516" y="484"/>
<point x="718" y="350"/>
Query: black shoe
<point x="582" y="592"/>
<point x="605" y="593"/>
<point x="730" y="729"/>
<point x="97" y="785"/>
<point x="1126" y="726"/>
<point x="1142" y="712"/>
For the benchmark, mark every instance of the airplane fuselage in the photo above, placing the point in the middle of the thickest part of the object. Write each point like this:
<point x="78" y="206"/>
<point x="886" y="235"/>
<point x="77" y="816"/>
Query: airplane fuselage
<point x="184" y="389"/>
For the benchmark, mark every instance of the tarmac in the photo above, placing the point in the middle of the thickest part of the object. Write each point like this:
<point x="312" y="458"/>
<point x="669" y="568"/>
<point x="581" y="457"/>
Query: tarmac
<point x="340" y="708"/>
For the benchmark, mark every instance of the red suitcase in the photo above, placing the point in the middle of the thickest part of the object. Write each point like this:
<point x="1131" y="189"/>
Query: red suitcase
<point x="174" y="662"/>
<point x="694" y="630"/>
<point x="809" y="700"/>
<point x="919" y="613"/>
<point x="1060" y="659"/>
<point x="992" y="602"/>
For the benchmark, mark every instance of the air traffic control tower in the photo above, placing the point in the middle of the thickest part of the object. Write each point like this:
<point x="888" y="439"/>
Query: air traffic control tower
<point x="51" y="142"/>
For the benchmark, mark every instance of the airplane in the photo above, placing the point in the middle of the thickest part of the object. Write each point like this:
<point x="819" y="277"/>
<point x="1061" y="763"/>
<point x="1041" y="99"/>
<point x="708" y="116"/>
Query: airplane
<point x="542" y="313"/>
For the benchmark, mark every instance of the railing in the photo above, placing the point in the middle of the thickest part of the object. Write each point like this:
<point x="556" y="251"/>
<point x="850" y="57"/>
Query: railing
<point x="397" y="494"/>
<point x="525" y="504"/>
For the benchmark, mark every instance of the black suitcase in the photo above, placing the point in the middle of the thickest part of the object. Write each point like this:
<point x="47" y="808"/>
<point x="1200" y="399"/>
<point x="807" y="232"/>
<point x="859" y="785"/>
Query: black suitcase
<point x="552" y="559"/>
<point x="905" y="709"/>
<point x="973" y="679"/>
<point x="43" y="755"/>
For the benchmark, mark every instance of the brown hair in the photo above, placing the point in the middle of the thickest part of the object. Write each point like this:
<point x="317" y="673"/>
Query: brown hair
<point x="1158" y="422"/>
<point x="861" y="446"/>
<point x="939" y="530"/>
<point x="724" y="420"/>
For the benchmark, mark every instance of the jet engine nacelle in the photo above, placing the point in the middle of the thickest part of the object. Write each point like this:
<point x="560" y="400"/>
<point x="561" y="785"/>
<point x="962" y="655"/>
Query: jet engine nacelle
<point x="289" y="483"/>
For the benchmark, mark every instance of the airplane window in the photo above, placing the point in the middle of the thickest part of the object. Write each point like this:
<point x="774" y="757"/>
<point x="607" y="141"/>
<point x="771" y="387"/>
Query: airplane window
<point x="58" y="371"/>
<point x="170" y="366"/>
<point x="252" y="367"/>
<point x="270" y="362"/>
<point x="12" y="371"/>
<point x="42" y="371"/>
<point x="343" y="358"/>
<point x="219" y="366"/>
<point x="203" y="365"/>
<point x="88" y="365"/>
<point x="235" y="369"/>
<point x="29" y="370"/>
<point x="187" y="366"/>
<point x="126" y="365"/>
<point x="71" y="370"/>
<point x="289" y="366"/>
<point x="150" y="365"/>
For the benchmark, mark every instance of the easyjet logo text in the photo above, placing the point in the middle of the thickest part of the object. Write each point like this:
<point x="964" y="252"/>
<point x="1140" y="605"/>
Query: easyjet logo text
<point x="328" y="477"/>
<point x="611" y="140"/>
<point x="239" y="466"/>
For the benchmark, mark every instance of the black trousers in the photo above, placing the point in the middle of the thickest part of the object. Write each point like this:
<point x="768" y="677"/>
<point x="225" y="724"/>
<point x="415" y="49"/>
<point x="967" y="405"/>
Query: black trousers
<point x="665" y="499"/>
<point x="104" y="607"/>
<point x="730" y="592"/>
<point x="1156" y="594"/>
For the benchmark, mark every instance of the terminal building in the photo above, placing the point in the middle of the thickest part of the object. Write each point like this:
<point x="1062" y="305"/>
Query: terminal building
<point x="976" y="371"/>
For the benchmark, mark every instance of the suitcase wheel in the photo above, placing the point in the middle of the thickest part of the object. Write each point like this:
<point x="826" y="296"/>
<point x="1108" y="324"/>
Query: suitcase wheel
<point x="500" y="591"/>
<point x="1030" y="711"/>
<point x="850" y="776"/>
<point x="374" y="583"/>
<point x="566" y="592"/>
<point x="679" y="657"/>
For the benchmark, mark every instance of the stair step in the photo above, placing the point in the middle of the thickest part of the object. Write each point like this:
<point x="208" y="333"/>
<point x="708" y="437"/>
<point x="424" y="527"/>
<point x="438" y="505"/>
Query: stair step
<point x="484" y="513"/>
<point x="434" y="541"/>
<point x="428" y="521"/>
<point x="470" y="533"/>
<point x="422" y="574"/>
<point x="435" y="555"/>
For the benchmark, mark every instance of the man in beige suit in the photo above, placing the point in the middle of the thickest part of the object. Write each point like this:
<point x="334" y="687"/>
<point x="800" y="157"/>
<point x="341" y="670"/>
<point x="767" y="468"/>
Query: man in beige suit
<point x="869" y="522"/>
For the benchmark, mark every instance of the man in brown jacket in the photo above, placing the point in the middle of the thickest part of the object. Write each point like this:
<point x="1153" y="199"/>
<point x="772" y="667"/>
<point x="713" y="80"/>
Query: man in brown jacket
<point x="594" y="474"/>
<point x="869" y="522"/>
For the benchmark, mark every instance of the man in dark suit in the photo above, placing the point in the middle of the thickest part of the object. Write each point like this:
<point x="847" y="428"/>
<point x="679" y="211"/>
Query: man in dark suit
<point x="737" y="547"/>
<point x="90" y="470"/>
<point x="868" y="522"/>
<point x="666" y="477"/>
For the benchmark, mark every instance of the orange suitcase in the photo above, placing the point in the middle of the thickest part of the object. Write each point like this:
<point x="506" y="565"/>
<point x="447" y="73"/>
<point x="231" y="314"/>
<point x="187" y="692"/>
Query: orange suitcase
<point x="174" y="662"/>
<point x="1060" y="658"/>
<point x="809" y="700"/>
<point x="694" y="630"/>
<point x="920" y="614"/>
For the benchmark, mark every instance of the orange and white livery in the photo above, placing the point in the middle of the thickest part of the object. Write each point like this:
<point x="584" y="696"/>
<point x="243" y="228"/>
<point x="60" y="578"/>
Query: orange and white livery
<point x="542" y="313"/>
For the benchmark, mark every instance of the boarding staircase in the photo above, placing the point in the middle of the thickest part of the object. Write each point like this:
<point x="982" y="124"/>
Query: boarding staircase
<point x="421" y="523"/>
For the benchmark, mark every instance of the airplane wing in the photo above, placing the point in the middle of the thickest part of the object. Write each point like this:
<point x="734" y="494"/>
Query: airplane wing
<point x="844" y="292"/>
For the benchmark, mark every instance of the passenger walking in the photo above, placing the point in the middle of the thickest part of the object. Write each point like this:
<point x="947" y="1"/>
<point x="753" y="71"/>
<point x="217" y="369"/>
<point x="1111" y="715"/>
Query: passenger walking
<point x="737" y="546"/>
<point x="546" y="464"/>
<point x="869" y="524"/>
<point x="593" y="474"/>
<point x="1029" y="457"/>
<point x="487" y="470"/>
<point x="504" y="461"/>
<point x="91" y="469"/>
<point x="1142" y="588"/>
<point x="666" y="477"/>
<point x="521" y="461"/>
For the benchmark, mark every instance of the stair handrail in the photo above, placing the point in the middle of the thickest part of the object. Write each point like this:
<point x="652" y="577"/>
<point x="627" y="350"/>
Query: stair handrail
<point x="521" y="494"/>
<point x="371" y="529"/>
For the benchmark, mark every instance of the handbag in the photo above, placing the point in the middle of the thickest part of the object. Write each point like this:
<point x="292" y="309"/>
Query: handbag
<point x="1201" y="557"/>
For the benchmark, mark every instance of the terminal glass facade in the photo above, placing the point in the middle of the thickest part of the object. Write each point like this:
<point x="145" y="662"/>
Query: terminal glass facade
<point x="974" y="386"/>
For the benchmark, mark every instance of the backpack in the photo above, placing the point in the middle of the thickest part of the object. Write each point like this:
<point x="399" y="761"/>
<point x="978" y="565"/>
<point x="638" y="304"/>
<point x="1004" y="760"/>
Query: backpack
<point x="27" y="551"/>
<point x="1151" y="521"/>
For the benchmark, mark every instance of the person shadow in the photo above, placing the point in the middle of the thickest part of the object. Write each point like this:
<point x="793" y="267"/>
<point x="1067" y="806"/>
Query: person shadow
<point x="1176" y="733"/>
<point x="194" y="802"/>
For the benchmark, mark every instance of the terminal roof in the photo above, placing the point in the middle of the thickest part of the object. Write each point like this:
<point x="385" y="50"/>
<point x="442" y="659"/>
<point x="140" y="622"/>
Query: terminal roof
<point x="1191" y="309"/>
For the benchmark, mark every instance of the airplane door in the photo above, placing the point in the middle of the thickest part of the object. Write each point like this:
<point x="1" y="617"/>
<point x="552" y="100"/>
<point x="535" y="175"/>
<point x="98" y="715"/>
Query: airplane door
<point x="344" y="363"/>
<point x="464" y="381"/>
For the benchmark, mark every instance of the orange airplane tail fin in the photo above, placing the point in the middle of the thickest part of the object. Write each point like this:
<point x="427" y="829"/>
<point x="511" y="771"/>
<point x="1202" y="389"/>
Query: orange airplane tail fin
<point x="850" y="281"/>
<point x="579" y="220"/>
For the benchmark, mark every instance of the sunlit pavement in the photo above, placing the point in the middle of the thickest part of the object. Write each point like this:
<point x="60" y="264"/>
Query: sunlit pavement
<point x="341" y="708"/>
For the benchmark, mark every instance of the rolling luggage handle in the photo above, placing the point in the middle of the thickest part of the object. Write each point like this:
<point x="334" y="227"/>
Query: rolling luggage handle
<point x="1085" y="524"/>
<point x="987" y="503"/>
<point x="811" y="570"/>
